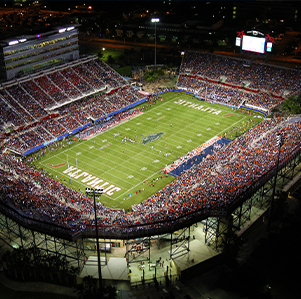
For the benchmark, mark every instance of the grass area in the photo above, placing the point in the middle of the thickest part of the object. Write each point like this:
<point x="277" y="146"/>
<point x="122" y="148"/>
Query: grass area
<point x="124" y="71"/>
<point x="115" y="53"/>
<point x="126" y="170"/>
<point x="95" y="49"/>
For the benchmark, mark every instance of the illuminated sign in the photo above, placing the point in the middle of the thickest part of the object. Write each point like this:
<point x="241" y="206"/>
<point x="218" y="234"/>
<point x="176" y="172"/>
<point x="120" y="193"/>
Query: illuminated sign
<point x="253" y="44"/>
<point x="13" y="42"/>
<point x="269" y="47"/>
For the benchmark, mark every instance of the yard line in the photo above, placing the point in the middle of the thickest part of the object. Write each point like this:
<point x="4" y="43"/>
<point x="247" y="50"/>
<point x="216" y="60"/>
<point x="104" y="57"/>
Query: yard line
<point x="67" y="149"/>
<point x="232" y="125"/>
<point x="92" y="166"/>
<point x="118" y="165"/>
<point x="123" y="122"/>
<point x="138" y="184"/>
<point x="146" y="154"/>
<point x="79" y="182"/>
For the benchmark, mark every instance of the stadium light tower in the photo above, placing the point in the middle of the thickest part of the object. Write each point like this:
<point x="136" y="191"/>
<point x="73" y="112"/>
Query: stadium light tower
<point x="280" y="141"/>
<point x="155" y="20"/>
<point x="96" y="192"/>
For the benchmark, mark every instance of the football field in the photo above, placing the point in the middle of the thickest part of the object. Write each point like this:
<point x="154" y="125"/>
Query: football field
<point x="129" y="169"/>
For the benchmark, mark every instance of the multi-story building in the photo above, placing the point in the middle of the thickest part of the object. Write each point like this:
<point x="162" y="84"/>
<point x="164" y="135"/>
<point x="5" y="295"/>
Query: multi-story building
<point x="20" y="55"/>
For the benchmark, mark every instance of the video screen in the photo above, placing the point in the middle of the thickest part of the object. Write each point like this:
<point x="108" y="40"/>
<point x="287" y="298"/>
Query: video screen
<point x="253" y="44"/>
<point x="269" y="46"/>
<point x="237" y="41"/>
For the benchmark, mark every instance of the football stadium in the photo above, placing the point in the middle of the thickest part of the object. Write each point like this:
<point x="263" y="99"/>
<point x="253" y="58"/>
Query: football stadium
<point x="96" y="171"/>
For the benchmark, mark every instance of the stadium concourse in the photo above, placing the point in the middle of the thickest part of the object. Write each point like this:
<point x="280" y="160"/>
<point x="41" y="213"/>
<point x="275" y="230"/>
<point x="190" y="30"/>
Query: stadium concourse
<point x="116" y="271"/>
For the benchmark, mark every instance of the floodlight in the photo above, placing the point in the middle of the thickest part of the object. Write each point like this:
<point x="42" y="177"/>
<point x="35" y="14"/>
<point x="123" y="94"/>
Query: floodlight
<point x="13" y="42"/>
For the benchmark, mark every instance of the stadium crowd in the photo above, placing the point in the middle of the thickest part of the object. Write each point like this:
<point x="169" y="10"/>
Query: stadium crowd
<point x="211" y="185"/>
<point x="228" y="95"/>
<point x="89" y="89"/>
<point x="61" y="100"/>
<point x="241" y="72"/>
<point x="45" y="103"/>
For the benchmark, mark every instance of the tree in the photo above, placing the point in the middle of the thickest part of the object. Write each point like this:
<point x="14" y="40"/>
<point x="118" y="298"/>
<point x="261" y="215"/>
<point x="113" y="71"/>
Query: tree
<point x="88" y="290"/>
<point x="100" y="54"/>
<point x="110" y="59"/>
<point x="292" y="104"/>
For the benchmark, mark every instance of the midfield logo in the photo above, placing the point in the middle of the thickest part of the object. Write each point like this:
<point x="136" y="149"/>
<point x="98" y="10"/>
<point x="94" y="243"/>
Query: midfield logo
<point x="151" y="137"/>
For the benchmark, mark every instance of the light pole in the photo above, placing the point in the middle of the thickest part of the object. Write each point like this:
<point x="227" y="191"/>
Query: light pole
<point x="155" y="20"/>
<point x="280" y="141"/>
<point x="96" y="192"/>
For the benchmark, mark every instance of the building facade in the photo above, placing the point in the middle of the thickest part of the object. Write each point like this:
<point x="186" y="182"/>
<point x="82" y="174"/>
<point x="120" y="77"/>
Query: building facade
<point x="22" y="55"/>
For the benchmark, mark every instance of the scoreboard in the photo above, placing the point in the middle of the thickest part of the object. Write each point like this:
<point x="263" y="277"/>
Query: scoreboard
<point x="254" y="41"/>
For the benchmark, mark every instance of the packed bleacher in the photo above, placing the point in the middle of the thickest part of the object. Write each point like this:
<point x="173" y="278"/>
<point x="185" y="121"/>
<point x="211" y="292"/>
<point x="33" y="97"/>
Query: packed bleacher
<point x="60" y="100"/>
<point x="54" y="103"/>
<point x="263" y="86"/>
<point x="33" y="89"/>
<point x="16" y="107"/>
<point x="237" y="71"/>
<point x="9" y="116"/>
<point x="84" y="71"/>
<point x="27" y="102"/>
<point x="228" y="95"/>
<point x="212" y="185"/>
<point x="89" y="89"/>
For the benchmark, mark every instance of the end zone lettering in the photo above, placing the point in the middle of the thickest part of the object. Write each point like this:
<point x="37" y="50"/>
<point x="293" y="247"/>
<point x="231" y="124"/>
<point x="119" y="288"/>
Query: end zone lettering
<point x="198" y="107"/>
<point x="91" y="180"/>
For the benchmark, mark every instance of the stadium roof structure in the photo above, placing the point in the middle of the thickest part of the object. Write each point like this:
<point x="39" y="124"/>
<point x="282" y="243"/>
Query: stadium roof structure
<point x="35" y="35"/>
<point x="27" y="53"/>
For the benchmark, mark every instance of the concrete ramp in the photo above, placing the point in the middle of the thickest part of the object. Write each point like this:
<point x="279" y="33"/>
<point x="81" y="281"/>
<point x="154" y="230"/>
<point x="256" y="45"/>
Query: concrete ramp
<point x="116" y="269"/>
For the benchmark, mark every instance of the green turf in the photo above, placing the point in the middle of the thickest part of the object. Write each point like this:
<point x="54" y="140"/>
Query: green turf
<point x="102" y="156"/>
<point x="124" y="71"/>
<point x="115" y="53"/>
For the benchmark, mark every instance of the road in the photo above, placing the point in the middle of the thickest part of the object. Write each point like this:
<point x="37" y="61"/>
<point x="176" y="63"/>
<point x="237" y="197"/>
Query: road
<point x="119" y="44"/>
<point x="287" y="61"/>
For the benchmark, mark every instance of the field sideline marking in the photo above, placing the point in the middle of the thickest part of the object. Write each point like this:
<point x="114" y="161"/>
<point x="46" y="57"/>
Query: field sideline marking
<point x="123" y="122"/>
<point x="192" y="125"/>
<point x="117" y="164"/>
<point x="118" y="178"/>
<point x="159" y="171"/>
<point x="170" y="101"/>
<point x="232" y="125"/>
<point x="84" y="185"/>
